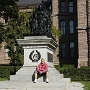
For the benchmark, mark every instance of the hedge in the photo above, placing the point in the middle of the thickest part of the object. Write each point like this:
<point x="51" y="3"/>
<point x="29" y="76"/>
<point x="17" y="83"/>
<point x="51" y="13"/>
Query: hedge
<point x="6" y="71"/>
<point x="76" y="74"/>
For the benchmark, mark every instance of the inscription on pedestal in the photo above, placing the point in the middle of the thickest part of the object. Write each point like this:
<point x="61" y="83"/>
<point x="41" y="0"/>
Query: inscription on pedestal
<point x="35" y="56"/>
<point x="50" y="57"/>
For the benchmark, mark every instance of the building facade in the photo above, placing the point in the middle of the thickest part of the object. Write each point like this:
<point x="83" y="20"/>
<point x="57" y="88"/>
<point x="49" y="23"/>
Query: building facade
<point x="72" y="17"/>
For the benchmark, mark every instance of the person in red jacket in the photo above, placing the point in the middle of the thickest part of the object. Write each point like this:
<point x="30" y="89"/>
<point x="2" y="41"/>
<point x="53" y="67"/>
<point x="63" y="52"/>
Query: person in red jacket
<point x="41" y="69"/>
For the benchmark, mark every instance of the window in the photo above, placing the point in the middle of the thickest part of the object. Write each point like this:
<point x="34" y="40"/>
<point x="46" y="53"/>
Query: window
<point x="71" y="6"/>
<point x="71" y="49"/>
<point x="63" y="47"/>
<point x="71" y="26"/>
<point x="62" y="6"/>
<point x="63" y="26"/>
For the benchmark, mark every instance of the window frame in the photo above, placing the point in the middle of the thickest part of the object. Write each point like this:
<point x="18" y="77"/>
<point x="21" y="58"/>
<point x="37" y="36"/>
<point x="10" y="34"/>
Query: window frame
<point x="70" y="7"/>
<point x="62" y="7"/>
<point x="63" y="50"/>
<point x="71" y="27"/>
<point x="71" y="53"/>
<point x="63" y="26"/>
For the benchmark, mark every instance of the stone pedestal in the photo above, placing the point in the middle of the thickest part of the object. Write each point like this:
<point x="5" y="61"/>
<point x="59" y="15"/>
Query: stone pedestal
<point x="35" y="48"/>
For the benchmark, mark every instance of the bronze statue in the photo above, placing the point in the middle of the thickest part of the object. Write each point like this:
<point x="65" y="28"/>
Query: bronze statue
<point x="41" y="22"/>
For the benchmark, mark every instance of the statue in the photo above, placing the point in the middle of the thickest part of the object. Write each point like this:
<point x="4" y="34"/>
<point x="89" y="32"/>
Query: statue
<point x="41" y="22"/>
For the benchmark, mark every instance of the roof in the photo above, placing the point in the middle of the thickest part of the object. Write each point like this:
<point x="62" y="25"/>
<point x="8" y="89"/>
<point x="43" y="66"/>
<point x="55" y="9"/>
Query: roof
<point x="31" y="2"/>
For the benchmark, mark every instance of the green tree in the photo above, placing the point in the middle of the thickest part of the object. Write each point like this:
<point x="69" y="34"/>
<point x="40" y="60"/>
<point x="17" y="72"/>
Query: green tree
<point x="8" y="9"/>
<point x="55" y="32"/>
<point x="1" y="33"/>
<point x="16" y="30"/>
<point x="18" y="26"/>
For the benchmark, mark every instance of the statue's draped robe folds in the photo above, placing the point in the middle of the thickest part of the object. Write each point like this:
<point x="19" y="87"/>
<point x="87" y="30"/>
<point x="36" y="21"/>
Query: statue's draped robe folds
<point x="41" y="22"/>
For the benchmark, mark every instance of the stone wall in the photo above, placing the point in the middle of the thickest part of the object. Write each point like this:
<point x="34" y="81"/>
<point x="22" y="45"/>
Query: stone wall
<point x="55" y="23"/>
<point x="3" y="59"/>
<point x="56" y="53"/>
<point x="55" y="12"/>
<point x="2" y="20"/>
<point x="82" y="33"/>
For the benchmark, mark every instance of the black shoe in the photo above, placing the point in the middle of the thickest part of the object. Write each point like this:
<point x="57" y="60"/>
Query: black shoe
<point x="47" y="81"/>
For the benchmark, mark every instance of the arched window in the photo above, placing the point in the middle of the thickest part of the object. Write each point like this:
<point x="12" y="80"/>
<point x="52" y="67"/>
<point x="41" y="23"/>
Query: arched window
<point x="71" y="26"/>
<point x="63" y="26"/>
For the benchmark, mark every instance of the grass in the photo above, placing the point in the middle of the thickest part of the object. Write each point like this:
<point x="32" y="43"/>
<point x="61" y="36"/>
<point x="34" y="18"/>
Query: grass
<point x="87" y="85"/>
<point x="3" y="79"/>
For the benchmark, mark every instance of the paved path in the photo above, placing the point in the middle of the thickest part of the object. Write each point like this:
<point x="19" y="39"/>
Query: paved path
<point x="14" y="85"/>
<point x="75" y="86"/>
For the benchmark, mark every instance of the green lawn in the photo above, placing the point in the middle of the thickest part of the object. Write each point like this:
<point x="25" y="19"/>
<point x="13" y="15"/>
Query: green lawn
<point x="87" y="85"/>
<point x="3" y="79"/>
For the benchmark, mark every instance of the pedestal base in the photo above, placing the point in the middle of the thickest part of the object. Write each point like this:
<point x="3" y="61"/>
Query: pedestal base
<point x="26" y="74"/>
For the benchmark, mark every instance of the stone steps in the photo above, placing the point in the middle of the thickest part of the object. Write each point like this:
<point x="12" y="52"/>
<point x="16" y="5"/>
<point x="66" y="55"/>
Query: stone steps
<point x="26" y="74"/>
<point x="14" y="85"/>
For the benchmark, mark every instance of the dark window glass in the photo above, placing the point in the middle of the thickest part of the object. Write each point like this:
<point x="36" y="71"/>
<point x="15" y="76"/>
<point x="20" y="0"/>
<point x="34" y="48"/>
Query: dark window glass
<point x="71" y="26"/>
<point x="70" y="6"/>
<point x="63" y="47"/>
<point x="63" y="27"/>
<point x="71" y="49"/>
<point x="62" y="6"/>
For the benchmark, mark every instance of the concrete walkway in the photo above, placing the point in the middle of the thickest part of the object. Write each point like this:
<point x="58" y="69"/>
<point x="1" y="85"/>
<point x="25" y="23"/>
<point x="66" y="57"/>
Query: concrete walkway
<point x="14" y="85"/>
<point x="75" y="86"/>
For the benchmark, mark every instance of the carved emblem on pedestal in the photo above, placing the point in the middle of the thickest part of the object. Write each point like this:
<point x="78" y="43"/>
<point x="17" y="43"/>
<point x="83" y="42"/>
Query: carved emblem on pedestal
<point x="35" y="56"/>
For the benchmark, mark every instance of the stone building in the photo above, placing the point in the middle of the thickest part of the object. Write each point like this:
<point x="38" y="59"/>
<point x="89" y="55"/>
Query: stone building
<point x="73" y="18"/>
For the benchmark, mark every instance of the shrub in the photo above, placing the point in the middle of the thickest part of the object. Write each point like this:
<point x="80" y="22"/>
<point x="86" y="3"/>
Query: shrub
<point x="76" y="74"/>
<point x="6" y="71"/>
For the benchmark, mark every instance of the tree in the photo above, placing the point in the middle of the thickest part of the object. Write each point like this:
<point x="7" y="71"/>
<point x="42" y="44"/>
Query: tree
<point x="16" y="29"/>
<point x="18" y="26"/>
<point x="56" y="32"/>
<point x="8" y="9"/>
<point x="1" y="33"/>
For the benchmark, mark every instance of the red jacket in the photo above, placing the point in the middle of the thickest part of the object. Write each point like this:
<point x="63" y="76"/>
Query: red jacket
<point x="42" y="67"/>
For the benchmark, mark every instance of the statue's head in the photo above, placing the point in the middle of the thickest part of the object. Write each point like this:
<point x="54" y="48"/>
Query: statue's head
<point x="40" y="7"/>
<point x="43" y="2"/>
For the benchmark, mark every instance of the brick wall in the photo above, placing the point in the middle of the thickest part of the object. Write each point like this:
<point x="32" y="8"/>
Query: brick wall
<point x="82" y="33"/>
